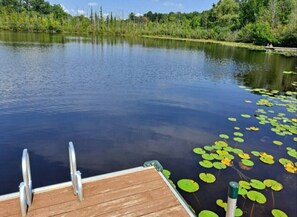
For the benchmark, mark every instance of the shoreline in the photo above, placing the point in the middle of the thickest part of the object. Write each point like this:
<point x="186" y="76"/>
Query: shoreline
<point x="288" y="53"/>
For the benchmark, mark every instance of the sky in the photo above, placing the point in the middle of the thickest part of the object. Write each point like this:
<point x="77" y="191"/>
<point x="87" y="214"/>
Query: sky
<point x="122" y="8"/>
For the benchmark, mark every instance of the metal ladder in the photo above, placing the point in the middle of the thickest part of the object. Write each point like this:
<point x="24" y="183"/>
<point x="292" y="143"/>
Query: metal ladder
<point x="26" y="189"/>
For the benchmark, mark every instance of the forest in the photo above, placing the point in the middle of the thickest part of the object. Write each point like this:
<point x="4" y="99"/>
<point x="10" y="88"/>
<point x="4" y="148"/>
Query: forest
<point x="251" y="21"/>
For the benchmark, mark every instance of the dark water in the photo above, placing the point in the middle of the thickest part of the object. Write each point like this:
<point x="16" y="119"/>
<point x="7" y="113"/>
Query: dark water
<point x="126" y="101"/>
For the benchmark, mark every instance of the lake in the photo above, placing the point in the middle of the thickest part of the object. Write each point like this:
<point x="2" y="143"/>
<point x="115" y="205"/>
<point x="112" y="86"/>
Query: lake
<point x="124" y="101"/>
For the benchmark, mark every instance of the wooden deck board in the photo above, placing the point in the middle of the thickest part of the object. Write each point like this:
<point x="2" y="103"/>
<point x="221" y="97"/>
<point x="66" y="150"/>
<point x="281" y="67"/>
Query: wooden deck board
<point x="135" y="194"/>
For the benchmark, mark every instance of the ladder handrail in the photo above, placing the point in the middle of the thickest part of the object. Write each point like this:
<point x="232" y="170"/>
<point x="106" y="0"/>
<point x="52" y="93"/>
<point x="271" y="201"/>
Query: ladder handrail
<point x="27" y="176"/>
<point x="25" y="187"/>
<point x="74" y="173"/>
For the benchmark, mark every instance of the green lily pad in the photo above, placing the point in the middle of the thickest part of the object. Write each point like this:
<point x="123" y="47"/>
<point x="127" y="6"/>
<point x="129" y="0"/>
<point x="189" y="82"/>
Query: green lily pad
<point x="245" y="116"/>
<point x="242" y="191"/>
<point x="256" y="197"/>
<point x="207" y="177"/>
<point x="232" y="119"/>
<point x="208" y="148"/>
<point x="238" y="212"/>
<point x="217" y="157"/>
<point x="224" y="136"/>
<point x="278" y="213"/>
<point x="207" y="213"/>
<point x="236" y="128"/>
<point x="255" y="153"/>
<point x="284" y="161"/>
<point x="238" y="139"/>
<point x="188" y="185"/>
<point x="266" y="160"/>
<point x="221" y="203"/>
<point x="198" y="151"/>
<point x="206" y="164"/>
<point x="257" y="184"/>
<point x="292" y="152"/>
<point x="207" y="157"/>
<point x="247" y="162"/>
<point x="172" y="183"/>
<point x="277" y="142"/>
<point x="244" y="184"/>
<point x="221" y="143"/>
<point x="166" y="173"/>
<point x="219" y="165"/>
<point x="274" y="185"/>
<point x="238" y="134"/>
<point x="237" y="151"/>
<point x="222" y="152"/>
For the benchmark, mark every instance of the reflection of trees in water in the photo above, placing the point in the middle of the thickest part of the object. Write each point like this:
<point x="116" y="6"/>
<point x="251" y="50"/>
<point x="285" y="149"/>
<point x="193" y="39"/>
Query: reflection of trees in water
<point x="261" y="69"/>
<point x="269" y="73"/>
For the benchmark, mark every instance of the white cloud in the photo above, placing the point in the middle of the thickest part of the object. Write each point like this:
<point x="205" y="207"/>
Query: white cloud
<point x="64" y="9"/>
<point x="81" y="12"/>
<point x="173" y="5"/>
<point x="138" y="14"/>
<point x="93" y="4"/>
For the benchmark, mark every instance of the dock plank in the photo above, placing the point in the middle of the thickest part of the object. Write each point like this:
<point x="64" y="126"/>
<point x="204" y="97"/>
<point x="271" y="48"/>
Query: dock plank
<point x="141" y="193"/>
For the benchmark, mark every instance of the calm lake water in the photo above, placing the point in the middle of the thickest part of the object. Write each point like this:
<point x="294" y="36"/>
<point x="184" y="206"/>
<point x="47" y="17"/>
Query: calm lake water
<point x="125" y="101"/>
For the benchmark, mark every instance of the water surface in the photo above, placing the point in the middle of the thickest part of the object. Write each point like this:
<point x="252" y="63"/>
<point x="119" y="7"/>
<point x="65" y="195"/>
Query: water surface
<point x="126" y="101"/>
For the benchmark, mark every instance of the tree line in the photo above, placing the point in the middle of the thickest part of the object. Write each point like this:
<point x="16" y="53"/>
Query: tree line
<point x="253" y="21"/>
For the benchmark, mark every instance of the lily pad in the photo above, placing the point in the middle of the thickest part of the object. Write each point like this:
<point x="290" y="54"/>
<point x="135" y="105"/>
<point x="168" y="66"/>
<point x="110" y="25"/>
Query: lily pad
<point x="221" y="143"/>
<point x="244" y="156"/>
<point x="206" y="164"/>
<point x="255" y="153"/>
<point x="248" y="163"/>
<point x="242" y="191"/>
<point x="277" y="142"/>
<point x="238" y="139"/>
<point x="266" y="160"/>
<point x="221" y="203"/>
<point x="224" y="136"/>
<point x="207" y="177"/>
<point x="257" y="184"/>
<point x="232" y="119"/>
<point x="238" y="134"/>
<point x="198" y="151"/>
<point x="244" y="184"/>
<point x="257" y="197"/>
<point x="245" y="116"/>
<point x="207" y="157"/>
<point x="236" y="128"/>
<point x="208" y="148"/>
<point x="188" y="185"/>
<point x="274" y="185"/>
<point x="238" y="212"/>
<point x="207" y="213"/>
<point x="278" y="213"/>
<point x="219" y="165"/>
<point x="166" y="173"/>
<point x="284" y="161"/>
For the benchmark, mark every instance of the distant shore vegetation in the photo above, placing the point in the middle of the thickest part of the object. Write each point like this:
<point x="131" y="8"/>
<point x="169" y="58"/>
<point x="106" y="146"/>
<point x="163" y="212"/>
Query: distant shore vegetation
<point x="259" y="22"/>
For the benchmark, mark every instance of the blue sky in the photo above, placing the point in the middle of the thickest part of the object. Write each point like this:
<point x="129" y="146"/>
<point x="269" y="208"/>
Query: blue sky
<point x="124" y="7"/>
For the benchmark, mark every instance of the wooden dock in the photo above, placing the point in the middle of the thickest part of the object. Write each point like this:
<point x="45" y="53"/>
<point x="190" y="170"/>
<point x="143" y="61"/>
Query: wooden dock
<point x="134" y="192"/>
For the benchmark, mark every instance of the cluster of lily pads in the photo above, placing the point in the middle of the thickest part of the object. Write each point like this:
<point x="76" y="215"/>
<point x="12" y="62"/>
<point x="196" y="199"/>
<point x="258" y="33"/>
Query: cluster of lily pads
<point x="224" y="153"/>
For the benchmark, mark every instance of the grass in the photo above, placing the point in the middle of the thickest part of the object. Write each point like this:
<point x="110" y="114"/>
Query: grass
<point x="226" y="43"/>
